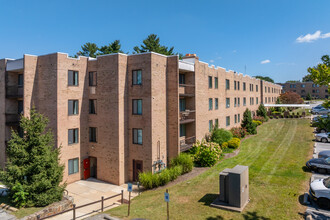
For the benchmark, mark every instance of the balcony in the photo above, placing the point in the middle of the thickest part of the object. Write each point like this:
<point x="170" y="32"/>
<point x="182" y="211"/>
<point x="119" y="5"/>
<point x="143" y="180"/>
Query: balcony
<point x="186" y="90"/>
<point x="14" y="92"/>
<point x="12" y="119"/>
<point x="187" y="143"/>
<point x="187" y="116"/>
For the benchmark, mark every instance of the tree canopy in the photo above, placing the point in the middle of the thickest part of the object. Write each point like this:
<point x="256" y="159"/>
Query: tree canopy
<point x="266" y="78"/>
<point x="320" y="74"/>
<point x="152" y="44"/>
<point x="307" y="78"/>
<point x="292" y="81"/>
<point x="33" y="171"/>
<point x="290" y="98"/>
<point x="92" y="50"/>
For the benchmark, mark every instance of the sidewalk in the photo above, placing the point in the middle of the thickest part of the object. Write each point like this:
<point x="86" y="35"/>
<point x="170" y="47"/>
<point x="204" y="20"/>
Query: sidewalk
<point x="86" y="191"/>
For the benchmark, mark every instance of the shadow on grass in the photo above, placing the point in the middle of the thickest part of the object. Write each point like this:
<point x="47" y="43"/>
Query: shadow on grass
<point x="215" y="218"/>
<point x="208" y="198"/>
<point x="254" y="216"/>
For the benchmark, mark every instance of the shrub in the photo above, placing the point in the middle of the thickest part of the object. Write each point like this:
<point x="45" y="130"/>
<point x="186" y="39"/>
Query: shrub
<point x="259" y="118"/>
<point x="224" y="145"/>
<point x="206" y="154"/>
<point x="234" y="143"/>
<point x="175" y="172"/>
<point x="276" y="117"/>
<point x="220" y="135"/>
<point x="257" y="122"/>
<point x="271" y="117"/>
<point x="247" y="122"/>
<point x="238" y="132"/>
<point x="146" y="180"/>
<point x="262" y="111"/>
<point x="183" y="160"/>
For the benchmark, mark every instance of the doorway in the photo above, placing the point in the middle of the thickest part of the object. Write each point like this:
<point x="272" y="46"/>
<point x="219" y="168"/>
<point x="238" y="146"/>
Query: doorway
<point x="93" y="167"/>
<point x="137" y="168"/>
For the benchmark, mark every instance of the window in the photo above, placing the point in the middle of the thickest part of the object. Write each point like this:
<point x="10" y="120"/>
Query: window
<point x="210" y="104"/>
<point x="265" y="89"/>
<point x="92" y="106"/>
<point x="216" y="103"/>
<point x="210" y="125"/>
<point x="252" y="101"/>
<point x="313" y="91"/>
<point x="317" y="91"/>
<point x="244" y="86"/>
<point x="137" y="136"/>
<point x="73" y="107"/>
<point x="227" y="84"/>
<point x="238" y="102"/>
<point x="251" y="87"/>
<point x="182" y="105"/>
<point x="227" y="120"/>
<point x="182" y="78"/>
<point x="215" y="82"/>
<point x="303" y="85"/>
<point x="302" y="91"/>
<point x="235" y="119"/>
<point x="73" y="166"/>
<point x="92" y="78"/>
<point x="137" y="77"/>
<point x="137" y="106"/>
<point x="216" y="123"/>
<point x="257" y="100"/>
<point x="73" y="136"/>
<point x="182" y="130"/>
<point x="20" y="80"/>
<point x="227" y="102"/>
<point x="235" y="102"/>
<point x="239" y="118"/>
<point x="92" y="134"/>
<point x="269" y="89"/>
<point x="235" y="85"/>
<point x="73" y="78"/>
<point x="256" y="88"/>
<point x="268" y="99"/>
<point x="265" y="99"/>
<point x="210" y="82"/>
<point x="244" y="101"/>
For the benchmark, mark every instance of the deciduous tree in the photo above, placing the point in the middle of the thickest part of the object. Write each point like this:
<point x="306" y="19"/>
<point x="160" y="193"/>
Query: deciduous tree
<point x="291" y="98"/>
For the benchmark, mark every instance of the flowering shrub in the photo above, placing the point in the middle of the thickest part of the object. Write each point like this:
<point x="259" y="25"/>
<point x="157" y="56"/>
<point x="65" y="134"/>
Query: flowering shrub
<point x="238" y="132"/>
<point x="206" y="154"/>
<point x="234" y="143"/>
<point x="259" y="118"/>
<point x="257" y="122"/>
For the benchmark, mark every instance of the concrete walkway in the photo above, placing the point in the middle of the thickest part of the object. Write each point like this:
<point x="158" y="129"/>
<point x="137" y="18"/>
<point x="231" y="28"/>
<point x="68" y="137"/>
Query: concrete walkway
<point x="86" y="191"/>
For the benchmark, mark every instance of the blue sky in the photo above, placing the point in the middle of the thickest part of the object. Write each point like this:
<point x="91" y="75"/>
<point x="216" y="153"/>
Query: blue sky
<point x="231" y="34"/>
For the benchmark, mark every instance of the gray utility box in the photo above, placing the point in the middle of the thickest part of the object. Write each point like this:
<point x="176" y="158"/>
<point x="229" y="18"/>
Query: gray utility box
<point x="234" y="188"/>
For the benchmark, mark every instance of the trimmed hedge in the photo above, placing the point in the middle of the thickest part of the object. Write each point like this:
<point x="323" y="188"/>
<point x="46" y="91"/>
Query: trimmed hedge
<point x="234" y="143"/>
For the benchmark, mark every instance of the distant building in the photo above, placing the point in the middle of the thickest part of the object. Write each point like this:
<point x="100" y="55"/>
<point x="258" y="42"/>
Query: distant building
<point x="117" y="115"/>
<point x="303" y="88"/>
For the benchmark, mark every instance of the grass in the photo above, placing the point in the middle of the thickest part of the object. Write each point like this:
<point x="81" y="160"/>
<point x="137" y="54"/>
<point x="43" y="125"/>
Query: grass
<point x="20" y="213"/>
<point x="301" y="110"/>
<point x="275" y="158"/>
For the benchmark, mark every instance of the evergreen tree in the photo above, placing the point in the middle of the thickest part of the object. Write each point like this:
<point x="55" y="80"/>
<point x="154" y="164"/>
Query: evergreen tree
<point x="152" y="43"/>
<point x="279" y="109"/>
<point x="33" y="172"/>
<point x="88" y="50"/>
<point x="262" y="111"/>
<point x="113" y="47"/>
<point x="247" y="123"/>
<point x="309" y="96"/>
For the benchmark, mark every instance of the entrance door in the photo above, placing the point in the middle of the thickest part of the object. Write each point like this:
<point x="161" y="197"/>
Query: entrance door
<point x="93" y="167"/>
<point x="137" y="168"/>
<point x="86" y="168"/>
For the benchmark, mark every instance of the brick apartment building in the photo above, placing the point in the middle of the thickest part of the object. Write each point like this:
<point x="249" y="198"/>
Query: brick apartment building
<point x="303" y="88"/>
<point x="118" y="114"/>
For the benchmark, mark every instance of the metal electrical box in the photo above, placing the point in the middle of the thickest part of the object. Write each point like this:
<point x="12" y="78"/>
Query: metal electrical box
<point x="234" y="188"/>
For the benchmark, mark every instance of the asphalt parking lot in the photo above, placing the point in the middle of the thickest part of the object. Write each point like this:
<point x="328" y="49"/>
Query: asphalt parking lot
<point x="312" y="209"/>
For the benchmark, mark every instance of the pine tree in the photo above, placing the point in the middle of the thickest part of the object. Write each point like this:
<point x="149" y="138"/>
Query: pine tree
<point x="247" y="123"/>
<point x="113" y="47"/>
<point x="88" y="50"/>
<point x="262" y="111"/>
<point x="152" y="43"/>
<point x="33" y="172"/>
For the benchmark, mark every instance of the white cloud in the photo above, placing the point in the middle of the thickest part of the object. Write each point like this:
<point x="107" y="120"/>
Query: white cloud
<point x="234" y="51"/>
<point x="308" y="38"/>
<point x="211" y="61"/>
<point x="265" y="61"/>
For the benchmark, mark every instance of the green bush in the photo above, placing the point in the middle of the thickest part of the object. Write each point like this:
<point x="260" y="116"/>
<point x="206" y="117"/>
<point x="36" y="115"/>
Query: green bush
<point x="257" y="122"/>
<point x="238" y="132"/>
<point x="276" y="117"/>
<point x="234" y="143"/>
<point x="224" y="145"/>
<point x="247" y="122"/>
<point x="175" y="172"/>
<point x="220" y="135"/>
<point x="271" y="117"/>
<point x="146" y="179"/>
<point x="262" y="111"/>
<point x="206" y="154"/>
<point x="183" y="160"/>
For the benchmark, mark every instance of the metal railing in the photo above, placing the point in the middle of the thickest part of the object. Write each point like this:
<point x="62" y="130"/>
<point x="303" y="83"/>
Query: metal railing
<point x="187" y="114"/>
<point x="74" y="208"/>
<point x="187" y="143"/>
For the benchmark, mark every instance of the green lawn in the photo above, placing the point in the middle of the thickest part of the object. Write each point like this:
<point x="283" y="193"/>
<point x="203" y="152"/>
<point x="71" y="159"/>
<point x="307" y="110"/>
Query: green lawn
<point x="275" y="158"/>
